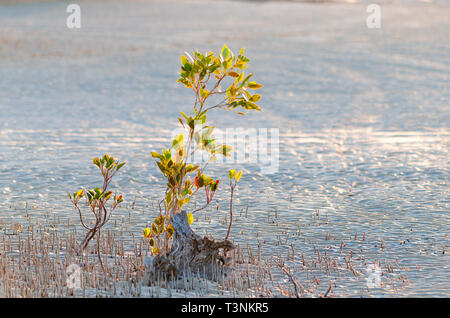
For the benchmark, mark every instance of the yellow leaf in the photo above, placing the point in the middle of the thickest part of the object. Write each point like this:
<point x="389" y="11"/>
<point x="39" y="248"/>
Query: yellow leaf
<point x="147" y="232"/>
<point x="108" y="196"/>
<point x="238" y="176"/>
<point x="170" y="230"/>
<point x="190" y="218"/>
<point x="155" y="229"/>
<point x="254" y="85"/>
<point x="183" y="60"/>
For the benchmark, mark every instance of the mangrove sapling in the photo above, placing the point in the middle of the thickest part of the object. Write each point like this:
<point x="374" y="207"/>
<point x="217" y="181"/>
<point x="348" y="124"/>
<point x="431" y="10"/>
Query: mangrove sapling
<point x="98" y="200"/>
<point x="175" y="246"/>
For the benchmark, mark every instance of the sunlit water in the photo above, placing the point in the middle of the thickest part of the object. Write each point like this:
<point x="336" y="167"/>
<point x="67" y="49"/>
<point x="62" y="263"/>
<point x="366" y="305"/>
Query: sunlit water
<point x="363" y="117"/>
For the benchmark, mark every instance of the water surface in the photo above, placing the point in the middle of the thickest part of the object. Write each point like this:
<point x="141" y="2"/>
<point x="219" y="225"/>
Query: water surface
<point x="363" y="117"/>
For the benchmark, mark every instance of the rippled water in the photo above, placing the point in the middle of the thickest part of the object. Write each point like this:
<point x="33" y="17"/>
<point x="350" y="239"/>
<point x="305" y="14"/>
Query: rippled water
<point x="363" y="118"/>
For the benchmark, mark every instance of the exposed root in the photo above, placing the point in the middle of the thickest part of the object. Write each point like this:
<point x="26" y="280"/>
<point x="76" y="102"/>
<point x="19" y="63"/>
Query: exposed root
<point x="190" y="252"/>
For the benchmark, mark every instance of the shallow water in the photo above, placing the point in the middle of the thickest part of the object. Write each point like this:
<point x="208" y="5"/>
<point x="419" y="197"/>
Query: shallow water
<point x="363" y="117"/>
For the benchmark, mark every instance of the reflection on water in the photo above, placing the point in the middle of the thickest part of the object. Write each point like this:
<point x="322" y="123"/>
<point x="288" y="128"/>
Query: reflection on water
<point x="391" y="187"/>
<point x="363" y="118"/>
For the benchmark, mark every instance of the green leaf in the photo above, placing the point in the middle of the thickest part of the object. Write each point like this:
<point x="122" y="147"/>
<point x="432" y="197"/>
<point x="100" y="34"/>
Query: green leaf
<point x="120" y="165"/>
<point x="227" y="63"/>
<point x="203" y="119"/>
<point x="161" y="167"/>
<point x="157" y="155"/>
<point x="204" y="93"/>
<point x="168" y="197"/>
<point x="191" y="168"/>
<point x="184" y="115"/>
<point x="178" y="142"/>
<point x="191" y="122"/>
<point x="226" y="149"/>
<point x="243" y="59"/>
<point x="98" y="193"/>
<point x="225" y="51"/>
<point x="254" y="85"/>
<point x="96" y="162"/>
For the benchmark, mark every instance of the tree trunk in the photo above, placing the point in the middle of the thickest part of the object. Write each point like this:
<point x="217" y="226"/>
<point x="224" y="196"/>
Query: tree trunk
<point x="190" y="254"/>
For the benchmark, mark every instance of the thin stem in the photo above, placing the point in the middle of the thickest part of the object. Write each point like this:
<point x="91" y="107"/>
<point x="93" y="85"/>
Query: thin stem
<point x="231" y="210"/>
<point x="205" y="206"/>
<point x="81" y="217"/>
